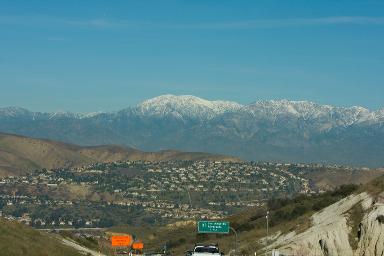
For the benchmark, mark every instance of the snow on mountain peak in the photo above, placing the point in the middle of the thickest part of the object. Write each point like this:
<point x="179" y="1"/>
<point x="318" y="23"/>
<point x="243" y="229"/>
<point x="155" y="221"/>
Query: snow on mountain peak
<point x="13" y="111"/>
<point x="191" y="107"/>
<point x="306" y="110"/>
<point x="186" y="106"/>
<point x="274" y="108"/>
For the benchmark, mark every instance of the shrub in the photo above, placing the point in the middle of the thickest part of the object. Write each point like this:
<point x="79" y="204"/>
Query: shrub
<point x="380" y="219"/>
<point x="345" y="190"/>
<point x="298" y="211"/>
<point x="322" y="203"/>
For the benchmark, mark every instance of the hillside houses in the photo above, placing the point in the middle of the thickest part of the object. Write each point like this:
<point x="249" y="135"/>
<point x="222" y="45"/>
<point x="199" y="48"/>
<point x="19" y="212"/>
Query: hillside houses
<point x="168" y="191"/>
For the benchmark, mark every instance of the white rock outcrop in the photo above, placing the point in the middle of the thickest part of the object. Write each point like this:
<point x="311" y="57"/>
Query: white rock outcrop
<point x="330" y="232"/>
<point x="372" y="232"/>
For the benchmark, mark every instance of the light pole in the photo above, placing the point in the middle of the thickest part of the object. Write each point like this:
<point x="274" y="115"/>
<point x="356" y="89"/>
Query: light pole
<point x="234" y="231"/>
<point x="267" y="240"/>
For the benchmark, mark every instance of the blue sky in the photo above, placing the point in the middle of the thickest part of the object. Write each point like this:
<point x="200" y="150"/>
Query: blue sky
<point x="106" y="55"/>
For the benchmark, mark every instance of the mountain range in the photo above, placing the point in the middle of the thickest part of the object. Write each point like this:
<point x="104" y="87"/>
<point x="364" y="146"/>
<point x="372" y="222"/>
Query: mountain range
<point x="273" y="130"/>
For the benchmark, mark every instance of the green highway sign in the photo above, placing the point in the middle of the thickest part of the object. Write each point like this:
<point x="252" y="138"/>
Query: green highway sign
<point x="213" y="227"/>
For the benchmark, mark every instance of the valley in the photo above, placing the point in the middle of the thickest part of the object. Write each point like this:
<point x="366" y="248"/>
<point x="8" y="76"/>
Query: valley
<point x="140" y="192"/>
<point x="78" y="196"/>
<point x="156" y="191"/>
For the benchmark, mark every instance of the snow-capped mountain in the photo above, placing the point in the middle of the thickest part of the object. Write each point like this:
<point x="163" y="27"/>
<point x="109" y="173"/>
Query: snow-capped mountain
<point x="276" y="130"/>
<point x="309" y="111"/>
<point x="191" y="107"/>
<point x="16" y="112"/>
<point x="186" y="106"/>
<point x="13" y="112"/>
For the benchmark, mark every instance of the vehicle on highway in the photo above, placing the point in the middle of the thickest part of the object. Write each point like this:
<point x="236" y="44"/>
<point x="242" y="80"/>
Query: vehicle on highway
<point x="206" y="250"/>
<point x="188" y="253"/>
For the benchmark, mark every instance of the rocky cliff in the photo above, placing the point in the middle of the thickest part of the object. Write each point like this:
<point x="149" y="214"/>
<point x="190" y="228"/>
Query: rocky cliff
<point x="354" y="226"/>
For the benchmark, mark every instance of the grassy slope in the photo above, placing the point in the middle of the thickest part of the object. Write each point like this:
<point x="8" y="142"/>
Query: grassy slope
<point x="17" y="239"/>
<point x="19" y="154"/>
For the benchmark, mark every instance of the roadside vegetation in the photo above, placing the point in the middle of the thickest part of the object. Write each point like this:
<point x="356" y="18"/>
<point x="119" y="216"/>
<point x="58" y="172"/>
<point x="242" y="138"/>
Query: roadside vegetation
<point x="282" y="210"/>
<point x="286" y="214"/>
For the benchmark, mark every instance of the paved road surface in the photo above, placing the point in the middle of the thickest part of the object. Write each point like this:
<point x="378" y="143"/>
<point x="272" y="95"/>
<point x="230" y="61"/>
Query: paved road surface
<point x="80" y="248"/>
<point x="71" y="229"/>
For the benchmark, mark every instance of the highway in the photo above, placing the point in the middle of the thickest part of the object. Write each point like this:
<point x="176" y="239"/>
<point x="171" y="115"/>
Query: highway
<point x="71" y="229"/>
<point x="80" y="248"/>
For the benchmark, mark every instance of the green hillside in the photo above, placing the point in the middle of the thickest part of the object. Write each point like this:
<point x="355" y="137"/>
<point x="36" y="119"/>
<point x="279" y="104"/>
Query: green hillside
<point x="17" y="239"/>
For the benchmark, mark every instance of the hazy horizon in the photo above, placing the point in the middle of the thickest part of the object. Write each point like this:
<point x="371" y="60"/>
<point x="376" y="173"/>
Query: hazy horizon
<point x="213" y="99"/>
<point x="97" y="56"/>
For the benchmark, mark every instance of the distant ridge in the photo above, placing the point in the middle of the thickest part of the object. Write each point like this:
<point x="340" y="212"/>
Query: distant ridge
<point x="19" y="154"/>
<point x="266" y="130"/>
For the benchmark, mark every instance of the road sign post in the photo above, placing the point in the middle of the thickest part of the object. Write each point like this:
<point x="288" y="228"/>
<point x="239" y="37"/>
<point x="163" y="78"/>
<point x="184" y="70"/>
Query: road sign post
<point x="217" y="227"/>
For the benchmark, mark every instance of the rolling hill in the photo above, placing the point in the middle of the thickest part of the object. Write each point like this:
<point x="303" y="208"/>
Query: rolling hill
<point x="17" y="239"/>
<point x="20" y="154"/>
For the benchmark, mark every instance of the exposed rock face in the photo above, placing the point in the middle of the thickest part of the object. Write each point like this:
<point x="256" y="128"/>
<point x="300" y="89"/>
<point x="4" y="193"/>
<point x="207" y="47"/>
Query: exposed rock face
<point x="372" y="232"/>
<point x="331" y="231"/>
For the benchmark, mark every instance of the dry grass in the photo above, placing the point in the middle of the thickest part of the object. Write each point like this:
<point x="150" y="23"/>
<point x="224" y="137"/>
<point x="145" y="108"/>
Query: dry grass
<point x="20" y="154"/>
<point x="375" y="187"/>
<point x="328" y="179"/>
<point x="16" y="239"/>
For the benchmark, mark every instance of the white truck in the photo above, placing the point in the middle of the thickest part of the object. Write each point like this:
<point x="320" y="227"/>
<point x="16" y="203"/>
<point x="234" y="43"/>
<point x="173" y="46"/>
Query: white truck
<point x="206" y="250"/>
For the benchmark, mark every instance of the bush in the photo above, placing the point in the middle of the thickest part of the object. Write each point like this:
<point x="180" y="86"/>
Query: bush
<point x="298" y="211"/>
<point x="175" y="243"/>
<point x="277" y="203"/>
<point x="322" y="203"/>
<point x="345" y="190"/>
<point x="245" y="227"/>
<point x="258" y="215"/>
<point x="106" y="222"/>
